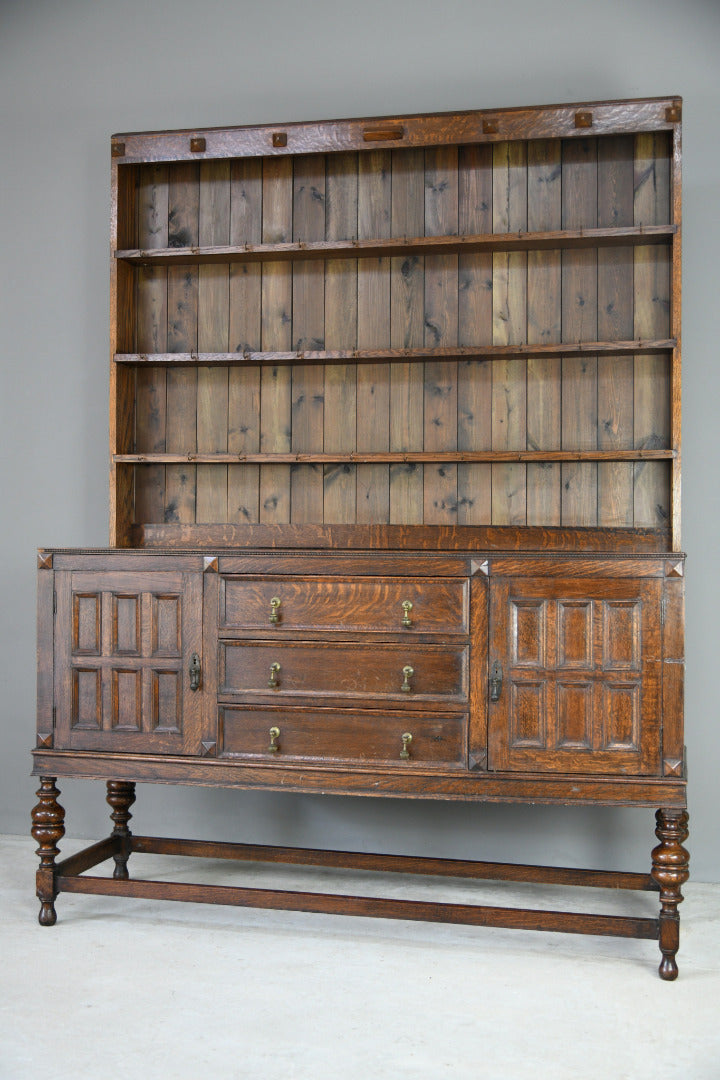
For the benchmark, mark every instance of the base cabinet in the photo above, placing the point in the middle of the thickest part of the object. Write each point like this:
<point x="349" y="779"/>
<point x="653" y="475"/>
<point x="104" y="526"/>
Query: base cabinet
<point x="505" y="677"/>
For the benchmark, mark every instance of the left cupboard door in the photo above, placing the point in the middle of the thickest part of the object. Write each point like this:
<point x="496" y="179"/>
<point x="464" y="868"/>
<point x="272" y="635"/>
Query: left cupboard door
<point x="124" y="645"/>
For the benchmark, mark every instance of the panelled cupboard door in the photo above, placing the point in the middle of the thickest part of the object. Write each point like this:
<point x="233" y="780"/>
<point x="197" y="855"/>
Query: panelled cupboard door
<point x="580" y="666"/>
<point x="124" y="642"/>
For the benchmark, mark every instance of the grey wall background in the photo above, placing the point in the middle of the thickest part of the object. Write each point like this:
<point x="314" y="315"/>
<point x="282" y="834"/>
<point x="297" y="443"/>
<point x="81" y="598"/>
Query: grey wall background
<point x="74" y="71"/>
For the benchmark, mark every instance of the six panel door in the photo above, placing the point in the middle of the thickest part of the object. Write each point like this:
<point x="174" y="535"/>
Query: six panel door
<point x="580" y="667"/>
<point x="124" y="642"/>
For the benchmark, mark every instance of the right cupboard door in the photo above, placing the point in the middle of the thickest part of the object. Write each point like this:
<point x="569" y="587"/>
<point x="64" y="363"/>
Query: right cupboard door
<point x="575" y="668"/>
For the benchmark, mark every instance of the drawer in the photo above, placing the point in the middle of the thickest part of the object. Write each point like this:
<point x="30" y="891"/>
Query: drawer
<point x="437" y="605"/>
<point x="286" y="668"/>
<point x="342" y="735"/>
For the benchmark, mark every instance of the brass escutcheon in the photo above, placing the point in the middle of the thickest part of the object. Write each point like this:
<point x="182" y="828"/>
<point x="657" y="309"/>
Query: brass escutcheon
<point x="408" y="672"/>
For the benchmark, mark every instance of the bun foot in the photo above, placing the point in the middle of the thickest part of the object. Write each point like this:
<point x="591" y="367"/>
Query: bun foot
<point x="47" y="916"/>
<point x="668" y="969"/>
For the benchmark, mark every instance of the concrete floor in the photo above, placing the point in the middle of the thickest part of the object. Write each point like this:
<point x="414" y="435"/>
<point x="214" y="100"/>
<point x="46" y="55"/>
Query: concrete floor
<point x="135" y="988"/>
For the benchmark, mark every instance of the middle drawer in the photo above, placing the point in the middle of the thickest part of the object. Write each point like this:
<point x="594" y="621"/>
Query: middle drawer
<point x="409" y="673"/>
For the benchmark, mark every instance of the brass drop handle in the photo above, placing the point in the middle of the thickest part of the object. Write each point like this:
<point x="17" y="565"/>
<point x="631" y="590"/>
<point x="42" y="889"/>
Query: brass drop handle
<point x="408" y="672"/>
<point x="406" y="740"/>
<point x="273" y="680"/>
<point x="274" y="736"/>
<point x="407" y="608"/>
<point x="195" y="672"/>
<point x="275" y="609"/>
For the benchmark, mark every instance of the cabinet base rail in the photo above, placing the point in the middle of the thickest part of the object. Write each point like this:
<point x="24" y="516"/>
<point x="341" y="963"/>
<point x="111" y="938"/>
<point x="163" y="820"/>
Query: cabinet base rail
<point x="669" y="872"/>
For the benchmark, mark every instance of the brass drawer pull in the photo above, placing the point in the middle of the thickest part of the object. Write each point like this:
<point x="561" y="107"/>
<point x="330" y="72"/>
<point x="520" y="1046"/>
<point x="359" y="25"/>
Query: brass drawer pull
<point x="275" y="609"/>
<point x="274" y="736"/>
<point x="406" y="740"/>
<point x="408" y="672"/>
<point x="407" y="608"/>
<point x="273" y="681"/>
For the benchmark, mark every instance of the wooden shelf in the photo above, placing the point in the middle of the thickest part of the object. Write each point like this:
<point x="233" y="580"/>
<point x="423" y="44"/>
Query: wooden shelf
<point x="395" y="457"/>
<point x="420" y="245"/>
<point x="375" y="356"/>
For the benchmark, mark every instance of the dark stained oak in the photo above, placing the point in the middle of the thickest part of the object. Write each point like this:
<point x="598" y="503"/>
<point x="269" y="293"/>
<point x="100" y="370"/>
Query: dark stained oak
<point x="394" y="494"/>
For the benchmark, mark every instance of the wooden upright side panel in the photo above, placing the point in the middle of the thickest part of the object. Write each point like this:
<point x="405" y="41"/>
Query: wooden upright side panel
<point x="152" y="293"/>
<point x="373" y="380"/>
<point x="308" y="332"/>
<point x="615" y="322"/>
<point x="341" y="303"/>
<point x="275" y="396"/>
<point x="407" y="311"/>
<point x="509" y="285"/>
<point x="182" y="336"/>
<point x="544" y="374"/>
<point x="123" y="334"/>
<point x="441" y="329"/>
<point x="474" y="328"/>
<point x="213" y="336"/>
<point x="245" y="334"/>
<point x="652" y="319"/>
<point x="579" y="323"/>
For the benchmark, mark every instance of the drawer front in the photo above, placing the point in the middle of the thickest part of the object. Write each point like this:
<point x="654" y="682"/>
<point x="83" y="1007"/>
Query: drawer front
<point x="410" y="673"/>
<point x="389" y="605"/>
<point x="342" y="735"/>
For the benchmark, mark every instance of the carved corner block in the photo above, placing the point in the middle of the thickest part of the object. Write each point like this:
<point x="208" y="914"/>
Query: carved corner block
<point x="583" y="119"/>
<point x="490" y="127"/>
<point x="480" y="567"/>
<point x="673" y="767"/>
<point x="210" y="564"/>
<point x="674" y="569"/>
<point x="45" y="561"/>
<point x="673" y="113"/>
<point x="208" y="748"/>
<point x="44" y="740"/>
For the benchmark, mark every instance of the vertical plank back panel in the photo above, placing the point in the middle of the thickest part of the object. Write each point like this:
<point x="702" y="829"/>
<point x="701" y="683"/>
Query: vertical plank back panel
<point x="407" y="315"/>
<point x="152" y="295"/>
<point x="182" y="336"/>
<point x="544" y="374"/>
<point x="244" y="334"/>
<point x="373" y="332"/>
<point x="441" y="329"/>
<point x="652" y="318"/>
<point x="579" y="323"/>
<point x="276" y="319"/>
<point x="615" y="321"/>
<point x="509" y="377"/>
<point x="308" y="332"/>
<point x="213" y="336"/>
<point x="474" y="328"/>
<point x="341" y="311"/>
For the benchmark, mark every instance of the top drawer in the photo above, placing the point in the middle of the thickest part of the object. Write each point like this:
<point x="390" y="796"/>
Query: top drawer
<point x="382" y="604"/>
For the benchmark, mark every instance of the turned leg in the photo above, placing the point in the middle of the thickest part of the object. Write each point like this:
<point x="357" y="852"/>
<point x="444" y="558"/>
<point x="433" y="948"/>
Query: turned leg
<point x="121" y="796"/>
<point x="670" y="872"/>
<point x="47" y="830"/>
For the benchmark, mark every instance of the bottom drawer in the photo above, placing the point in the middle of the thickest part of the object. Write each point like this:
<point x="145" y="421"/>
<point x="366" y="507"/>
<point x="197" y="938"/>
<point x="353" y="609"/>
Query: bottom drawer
<point x="332" y="735"/>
